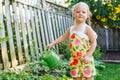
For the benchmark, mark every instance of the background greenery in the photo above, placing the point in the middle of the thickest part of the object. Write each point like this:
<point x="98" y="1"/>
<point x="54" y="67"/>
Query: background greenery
<point x="105" y="12"/>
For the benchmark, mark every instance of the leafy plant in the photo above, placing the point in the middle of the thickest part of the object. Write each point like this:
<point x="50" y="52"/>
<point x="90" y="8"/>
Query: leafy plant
<point x="98" y="53"/>
<point x="64" y="49"/>
<point x="105" y="12"/>
<point x="3" y="38"/>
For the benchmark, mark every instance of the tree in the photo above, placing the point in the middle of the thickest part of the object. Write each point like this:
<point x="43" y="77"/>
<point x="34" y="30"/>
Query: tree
<point x="105" y="12"/>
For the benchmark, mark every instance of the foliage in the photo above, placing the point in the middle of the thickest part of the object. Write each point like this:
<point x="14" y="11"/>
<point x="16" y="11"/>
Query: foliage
<point x="17" y="74"/>
<point x="98" y="53"/>
<point x="105" y="12"/>
<point x="3" y="38"/>
<point x="64" y="49"/>
<point x="37" y="72"/>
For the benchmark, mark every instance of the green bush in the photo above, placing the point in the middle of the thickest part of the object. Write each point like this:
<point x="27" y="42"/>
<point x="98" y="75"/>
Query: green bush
<point x="64" y="49"/>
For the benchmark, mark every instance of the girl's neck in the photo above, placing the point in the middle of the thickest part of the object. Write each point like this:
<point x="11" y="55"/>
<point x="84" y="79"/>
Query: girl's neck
<point x="78" y="23"/>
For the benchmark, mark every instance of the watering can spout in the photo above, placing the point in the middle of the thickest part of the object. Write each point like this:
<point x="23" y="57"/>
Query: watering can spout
<point x="41" y="62"/>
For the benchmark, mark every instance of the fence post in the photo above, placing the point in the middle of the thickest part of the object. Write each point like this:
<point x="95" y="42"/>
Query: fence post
<point x="9" y="30"/>
<point x="3" y="44"/>
<point x="107" y="39"/>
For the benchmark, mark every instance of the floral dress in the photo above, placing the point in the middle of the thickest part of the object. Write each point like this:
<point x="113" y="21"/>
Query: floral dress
<point x="79" y="45"/>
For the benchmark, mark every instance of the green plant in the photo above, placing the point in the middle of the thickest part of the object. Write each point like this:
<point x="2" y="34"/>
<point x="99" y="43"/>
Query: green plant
<point x="64" y="49"/>
<point x="3" y="38"/>
<point x="105" y="12"/>
<point x="17" y="74"/>
<point x="98" y="53"/>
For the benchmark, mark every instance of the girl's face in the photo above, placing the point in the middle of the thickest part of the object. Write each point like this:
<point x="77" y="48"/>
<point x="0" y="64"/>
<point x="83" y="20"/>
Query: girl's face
<point x="80" y="13"/>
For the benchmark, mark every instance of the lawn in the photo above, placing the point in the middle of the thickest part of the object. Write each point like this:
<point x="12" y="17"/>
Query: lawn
<point x="111" y="72"/>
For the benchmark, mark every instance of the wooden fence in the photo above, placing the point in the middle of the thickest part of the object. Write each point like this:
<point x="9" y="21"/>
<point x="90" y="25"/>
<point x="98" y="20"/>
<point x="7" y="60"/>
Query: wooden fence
<point x="109" y="39"/>
<point x="31" y="24"/>
<point x="29" y="28"/>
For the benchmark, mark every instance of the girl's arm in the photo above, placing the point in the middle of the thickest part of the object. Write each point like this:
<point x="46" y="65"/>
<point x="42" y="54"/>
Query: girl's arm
<point x="92" y="37"/>
<point x="60" y="39"/>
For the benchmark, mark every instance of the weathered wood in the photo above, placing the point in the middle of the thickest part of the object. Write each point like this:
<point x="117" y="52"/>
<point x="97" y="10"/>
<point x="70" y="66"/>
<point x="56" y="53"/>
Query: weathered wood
<point x="28" y="27"/>
<point x="24" y="32"/>
<point x="41" y="30"/>
<point x="32" y="28"/>
<point x="38" y="32"/>
<point x="9" y="30"/>
<point x="34" y="32"/>
<point x="112" y="61"/>
<point x="61" y="23"/>
<point x="50" y="32"/>
<point x="17" y="32"/>
<point x="57" y="25"/>
<point x="3" y="44"/>
<point x="54" y="27"/>
<point x="108" y="39"/>
<point x="45" y="27"/>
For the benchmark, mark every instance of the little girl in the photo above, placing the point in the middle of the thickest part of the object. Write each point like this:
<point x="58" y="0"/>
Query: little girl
<point x="82" y="43"/>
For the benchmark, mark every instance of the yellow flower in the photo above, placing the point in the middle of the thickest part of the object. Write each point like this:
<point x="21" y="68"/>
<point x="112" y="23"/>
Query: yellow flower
<point x="114" y="17"/>
<point x="117" y="9"/>
<point x="98" y="16"/>
<point x="110" y="5"/>
<point x="103" y="19"/>
<point x="119" y="5"/>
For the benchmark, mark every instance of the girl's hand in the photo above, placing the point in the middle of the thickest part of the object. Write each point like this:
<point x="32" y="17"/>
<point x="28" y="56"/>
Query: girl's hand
<point x="49" y="46"/>
<point x="86" y="59"/>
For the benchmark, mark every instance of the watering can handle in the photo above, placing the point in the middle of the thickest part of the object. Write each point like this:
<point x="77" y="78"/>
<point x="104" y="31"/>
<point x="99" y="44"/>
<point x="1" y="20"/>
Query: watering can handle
<point x="54" y="49"/>
<point x="51" y="49"/>
<point x="41" y="62"/>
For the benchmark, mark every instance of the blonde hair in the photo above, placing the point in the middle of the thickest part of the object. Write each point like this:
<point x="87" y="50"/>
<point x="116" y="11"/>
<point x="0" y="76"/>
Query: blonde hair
<point x="88" y="21"/>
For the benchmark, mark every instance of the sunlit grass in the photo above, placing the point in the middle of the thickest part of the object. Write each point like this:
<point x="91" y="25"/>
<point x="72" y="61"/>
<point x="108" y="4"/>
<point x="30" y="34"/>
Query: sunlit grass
<point x="111" y="72"/>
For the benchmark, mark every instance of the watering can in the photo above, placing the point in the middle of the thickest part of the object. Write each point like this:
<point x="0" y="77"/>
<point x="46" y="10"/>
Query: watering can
<point x="49" y="58"/>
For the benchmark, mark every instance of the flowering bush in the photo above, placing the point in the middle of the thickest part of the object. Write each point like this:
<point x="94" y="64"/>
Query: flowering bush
<point x="105" y="12"/>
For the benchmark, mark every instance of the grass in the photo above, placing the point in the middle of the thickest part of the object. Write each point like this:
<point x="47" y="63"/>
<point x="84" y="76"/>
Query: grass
<point x="111" y="72"/>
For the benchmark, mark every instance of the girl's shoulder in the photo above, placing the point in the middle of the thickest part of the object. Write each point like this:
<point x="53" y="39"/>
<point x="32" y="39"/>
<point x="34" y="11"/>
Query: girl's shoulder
<point x="71" y="27"/>
<point x="90" y="30"/>
<point x="88" y="27"/>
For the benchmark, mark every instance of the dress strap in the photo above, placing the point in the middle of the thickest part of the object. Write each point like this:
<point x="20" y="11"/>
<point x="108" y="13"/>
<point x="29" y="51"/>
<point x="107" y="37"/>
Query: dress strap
<point x="71" y="28"/>
<point x="84" y="28"/>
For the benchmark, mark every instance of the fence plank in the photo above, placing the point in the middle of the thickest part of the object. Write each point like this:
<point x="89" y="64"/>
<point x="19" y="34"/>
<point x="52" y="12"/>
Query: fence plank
<point x="64" y="23"/>
<point x="45" y="27"/>
<point x="3" y="44"/>
<point x="50" y="33"/>
<point x="53" y="20"/>
<point x="38" y="31"/>
<point x="9" y="30"/>
<point x="110" y="39"/>
<point x="57" y="25"/>
<point x="25" y="44"/>
<point x="42" y="29"/>
<point x="29" y="23"/>
<point x="29" y="32"/>
<point x="34" y="32"/>
<point x="62" y="26"/>
<point x="118" y="40"/>
<point x="17" y="32"/>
